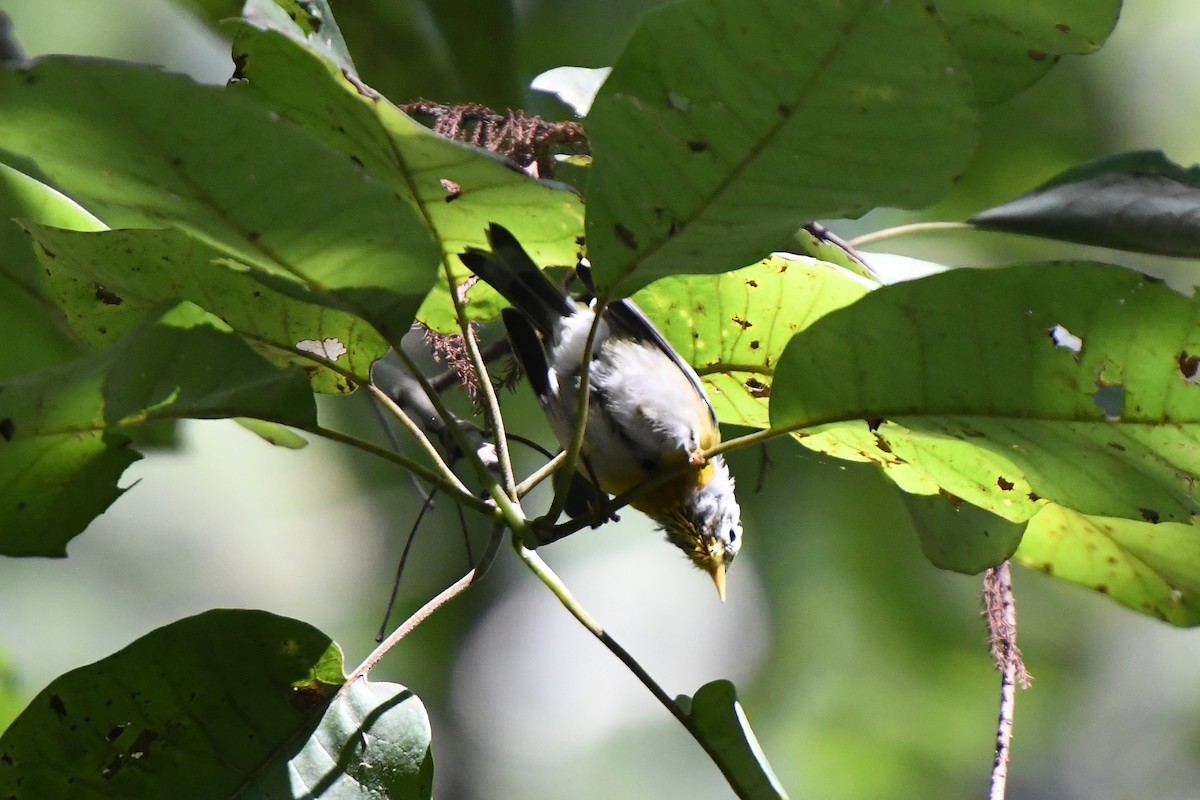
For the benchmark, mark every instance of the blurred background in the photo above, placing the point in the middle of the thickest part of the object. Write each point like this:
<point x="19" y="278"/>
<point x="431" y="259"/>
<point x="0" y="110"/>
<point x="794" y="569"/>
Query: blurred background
<point x="863" y="669"/>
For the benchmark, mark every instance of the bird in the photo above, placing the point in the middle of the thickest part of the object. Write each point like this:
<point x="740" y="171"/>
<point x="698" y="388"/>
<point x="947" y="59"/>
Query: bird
<point x="648" y="413"/>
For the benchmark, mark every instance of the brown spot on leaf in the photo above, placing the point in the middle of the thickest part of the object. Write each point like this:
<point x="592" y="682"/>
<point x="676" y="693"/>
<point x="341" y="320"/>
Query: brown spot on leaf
<point x="757" y="388"/>
<point x="358" y="162"/>
<point x="882" y="444"/>
<point x="625" y="236"/>
<point x="115" y="732"/>
<point x="107" y="296"/>
<point x="1149" y="514"/>
<point x="753" y="284"/>
<point x="1004" y="484"/>
<point x="1033" y="497"/>
<point x="1189" y="366"/>
<point x="741" y="322"/>
<point x="873" y="423"/>
<point x="784" y="110"/>
<point x="754" y="345"/>
<point x="1036" y="55"/>
<point x="1063" y="27"/>
<point x="697" y="146"/>
<point x="58" y="706"/>
<point x="7" y="429"/>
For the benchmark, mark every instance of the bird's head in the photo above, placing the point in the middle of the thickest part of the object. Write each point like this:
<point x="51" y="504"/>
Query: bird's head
<point x="707" y="525"/>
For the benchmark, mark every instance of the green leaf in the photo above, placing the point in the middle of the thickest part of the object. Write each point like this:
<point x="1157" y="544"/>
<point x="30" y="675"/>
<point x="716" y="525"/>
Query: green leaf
<point x="273" y="433"/>
<point x="959" y="536"/>
<point x="31" y="326"/>
<point x="1154" y="569"/>
<point x="106" y="282"/>
<point x="227" y="703"/>
<point x="165" y="151"/>
<point x="62" y="430"/>
<point x="309" y="22"/>
<point x="1009" y="46"/>
<point x="457" y="190"/>
<point x="970" y="382"/>
<point x="721" y="724"/>
<point x="721" y="130"/>
<point x="1140" y="201"/>
<point x="733" y="327"/>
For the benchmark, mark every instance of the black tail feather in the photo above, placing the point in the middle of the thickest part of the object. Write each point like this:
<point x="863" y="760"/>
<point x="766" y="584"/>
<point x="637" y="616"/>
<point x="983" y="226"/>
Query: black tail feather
<point x="512" y="273"/>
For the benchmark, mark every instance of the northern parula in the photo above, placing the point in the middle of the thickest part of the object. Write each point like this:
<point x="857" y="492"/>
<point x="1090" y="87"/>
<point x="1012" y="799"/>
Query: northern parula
<point x="647" y="410"/>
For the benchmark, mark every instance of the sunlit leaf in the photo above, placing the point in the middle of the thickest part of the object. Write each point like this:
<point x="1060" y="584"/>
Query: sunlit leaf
<point x="1154" y="569"/>
<point x="961" y="378"/>
<point x="733" y="327"/>
<point x="1023" y="390"/>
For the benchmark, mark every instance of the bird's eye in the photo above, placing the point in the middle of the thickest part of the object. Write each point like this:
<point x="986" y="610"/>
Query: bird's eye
<point x="733" y="534"/>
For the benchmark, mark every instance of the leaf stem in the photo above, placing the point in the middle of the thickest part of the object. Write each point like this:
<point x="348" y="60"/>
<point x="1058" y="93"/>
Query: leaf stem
<point x="415" y="431"/>
<point x="575" y="447"/>
<point x="424" y="612"/>
<point x="909" y="230"/>
<point x="491" y="404"/>
<point x="455" y="490"/>
<point x="547" y="576"/>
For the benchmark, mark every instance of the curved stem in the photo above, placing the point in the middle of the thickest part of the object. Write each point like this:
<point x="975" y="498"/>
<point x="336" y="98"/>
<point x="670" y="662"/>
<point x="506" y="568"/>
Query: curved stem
<point x="423" y="613"/>
<point x="455" y="490"/>
<point x="555" y="584"/>
<point x="491" y="405"/>
<point x="415" y="431"/>
<point x="571" y="458"/>
<point x="909" y="230"/>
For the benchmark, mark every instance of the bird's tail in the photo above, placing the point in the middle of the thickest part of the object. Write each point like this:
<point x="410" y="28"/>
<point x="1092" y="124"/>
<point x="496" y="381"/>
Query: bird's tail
<point x="512" y="273"/>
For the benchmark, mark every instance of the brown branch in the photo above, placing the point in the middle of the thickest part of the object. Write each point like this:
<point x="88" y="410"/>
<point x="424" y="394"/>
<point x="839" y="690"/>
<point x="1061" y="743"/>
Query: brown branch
<point x="1000" y="611"/>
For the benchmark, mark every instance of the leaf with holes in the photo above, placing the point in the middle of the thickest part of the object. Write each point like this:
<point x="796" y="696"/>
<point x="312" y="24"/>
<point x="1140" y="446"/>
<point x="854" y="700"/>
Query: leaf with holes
<point x="1152" y="568"/>
<point x="1011" y="388"/>
<point x="228" y="170"/>
<point x="64" y="430"/>
<point x="457" y="190"/>
<point x="723" y="129"/>
<point x="222" y="704"/>
<point x="107" y="281"/>
<point x="734" y="326"/>
<point x="1134" y="201"/>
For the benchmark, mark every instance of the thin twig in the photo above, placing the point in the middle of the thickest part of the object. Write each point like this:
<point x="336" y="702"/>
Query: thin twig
<point x="385" y="400"/>
<point x="1000" y="610"/>
<point x="420" y="470"/>
<point x="555" y="584"/>
<point x="445" y="596"/>
<point x="575" y="447"/>
<point x="909" y="230"/>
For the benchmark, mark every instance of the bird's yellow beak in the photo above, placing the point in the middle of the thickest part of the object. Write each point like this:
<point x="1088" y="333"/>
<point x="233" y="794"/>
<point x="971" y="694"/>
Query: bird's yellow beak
<point x="717" y="571"/>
